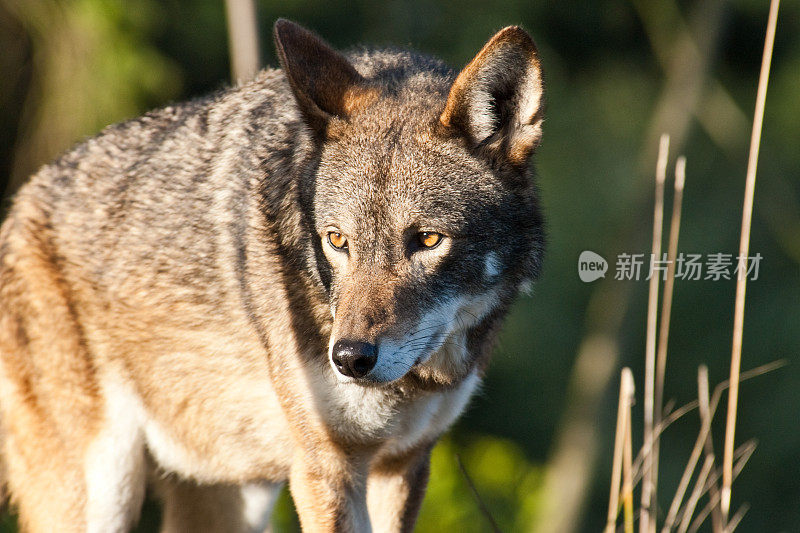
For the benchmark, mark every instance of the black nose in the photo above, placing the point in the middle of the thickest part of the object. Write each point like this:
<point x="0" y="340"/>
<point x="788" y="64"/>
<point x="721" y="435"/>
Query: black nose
<point x="354" y="358"/>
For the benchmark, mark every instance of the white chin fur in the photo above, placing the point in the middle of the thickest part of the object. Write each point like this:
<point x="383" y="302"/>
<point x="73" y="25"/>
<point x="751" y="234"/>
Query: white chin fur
<point x="441" y="327"/>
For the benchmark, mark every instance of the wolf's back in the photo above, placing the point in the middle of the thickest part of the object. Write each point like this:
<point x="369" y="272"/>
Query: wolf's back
<point x="153" y="193"/>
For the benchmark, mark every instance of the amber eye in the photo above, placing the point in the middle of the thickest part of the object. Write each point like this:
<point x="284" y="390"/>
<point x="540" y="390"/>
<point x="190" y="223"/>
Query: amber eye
<point x="337" y="240"/>
<point x="429" y="239"/>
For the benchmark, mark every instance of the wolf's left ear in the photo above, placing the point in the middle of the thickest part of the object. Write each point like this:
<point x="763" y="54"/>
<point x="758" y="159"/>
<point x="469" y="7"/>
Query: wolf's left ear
<point x="325" y="84"/>
<point x="497" y="99"/>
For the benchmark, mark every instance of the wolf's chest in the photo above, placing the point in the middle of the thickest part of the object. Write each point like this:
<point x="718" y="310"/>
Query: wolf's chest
<point x="371" y="414"/>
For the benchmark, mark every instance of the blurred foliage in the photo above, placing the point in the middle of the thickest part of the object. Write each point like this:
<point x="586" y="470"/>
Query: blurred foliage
<point x="93" y="63"/>
<point x="70" y="67"/>
<point x="508" y="484"/>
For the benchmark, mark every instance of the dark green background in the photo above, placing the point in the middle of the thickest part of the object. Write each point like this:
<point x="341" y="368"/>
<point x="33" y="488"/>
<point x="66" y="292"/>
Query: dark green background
<point x="618" y="74"/>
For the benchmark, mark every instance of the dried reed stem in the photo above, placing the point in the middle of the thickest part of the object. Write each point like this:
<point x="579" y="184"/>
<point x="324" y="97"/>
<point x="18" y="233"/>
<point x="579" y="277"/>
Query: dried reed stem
<point x="666" y="306"/>
<point x="744" y="248"/>
<point x="627" y="467"/>
<point x="734" y="523"/>
<point x="715" y="398"/>
<point x="702" y="515"/>
<point x="693" y="458"/>
<point x="706" y="416"/>
<point x="648" y="489"/>
<point x="698" y="491"/>
<point x="623" y="423"/>
<point x="481" y="505"/>
<point x="658" y="430"/>
<point x="632" y="471"/>
<point x="742" y="455"/>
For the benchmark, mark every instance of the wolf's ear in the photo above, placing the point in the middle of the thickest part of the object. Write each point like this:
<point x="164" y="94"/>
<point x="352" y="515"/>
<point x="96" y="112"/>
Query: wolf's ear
<point x="497" y="99"/>
<point x="323" y="81"/>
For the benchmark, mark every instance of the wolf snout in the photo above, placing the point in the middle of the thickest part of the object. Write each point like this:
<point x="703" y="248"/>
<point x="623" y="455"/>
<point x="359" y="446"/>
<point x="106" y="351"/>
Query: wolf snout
<point x="354" y="358"/>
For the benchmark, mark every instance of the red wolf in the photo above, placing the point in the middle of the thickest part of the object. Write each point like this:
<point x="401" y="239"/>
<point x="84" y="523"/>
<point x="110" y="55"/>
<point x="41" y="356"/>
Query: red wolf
<point x="297" y="279"/>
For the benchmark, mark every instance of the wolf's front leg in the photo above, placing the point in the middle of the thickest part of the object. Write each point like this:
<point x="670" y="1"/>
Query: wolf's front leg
<point x="395" y="489"/>
<point x="329" y="491"/>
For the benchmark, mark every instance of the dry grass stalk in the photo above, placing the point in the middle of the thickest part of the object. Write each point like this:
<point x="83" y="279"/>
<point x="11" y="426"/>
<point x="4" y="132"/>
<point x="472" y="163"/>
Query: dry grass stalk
<point x="744" y="248"/>
<point x="688" y="407"/>
<point x="741" y="456"/>
<point x="708" y="482"/>
<point x="657" y="431"/>
<point x="705" y="428"/>
<point x="646" y="514"/>
<point x="484" y="509"/>
<point x="734" y="522"/>
<point x="707" y="409"/>
<point x="666" y="306"/>
<point x="702" y="515"/>
<point x="627" y="469"/>
<point x="694" y="497"/>
<point x="623" y="427"/>
<point x="744" y="376"/>
<point x="706" y="416"/>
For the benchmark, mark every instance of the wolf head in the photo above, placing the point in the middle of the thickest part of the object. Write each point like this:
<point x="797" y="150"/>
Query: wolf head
<point x="426" y="223"/>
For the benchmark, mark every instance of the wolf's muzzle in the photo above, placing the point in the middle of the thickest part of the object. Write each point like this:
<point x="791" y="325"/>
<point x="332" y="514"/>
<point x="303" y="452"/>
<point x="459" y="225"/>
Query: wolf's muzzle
<point x="353" y="358"/>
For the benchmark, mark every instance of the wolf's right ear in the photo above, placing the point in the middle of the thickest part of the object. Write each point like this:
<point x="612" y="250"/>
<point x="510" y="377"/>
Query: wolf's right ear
<point x="325" y="84"/>
<point x="497" y="100"/>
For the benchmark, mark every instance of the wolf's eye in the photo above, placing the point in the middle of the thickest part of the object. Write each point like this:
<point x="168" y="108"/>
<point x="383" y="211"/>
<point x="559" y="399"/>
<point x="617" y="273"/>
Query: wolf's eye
<point x="337" y="240"/>
<point x="429" y="239"/>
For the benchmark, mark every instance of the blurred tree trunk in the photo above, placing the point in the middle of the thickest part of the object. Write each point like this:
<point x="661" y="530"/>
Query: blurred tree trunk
<point x="243" y="38"/>
<point x="90" y="65"/>
<point x="15" y="65"/>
